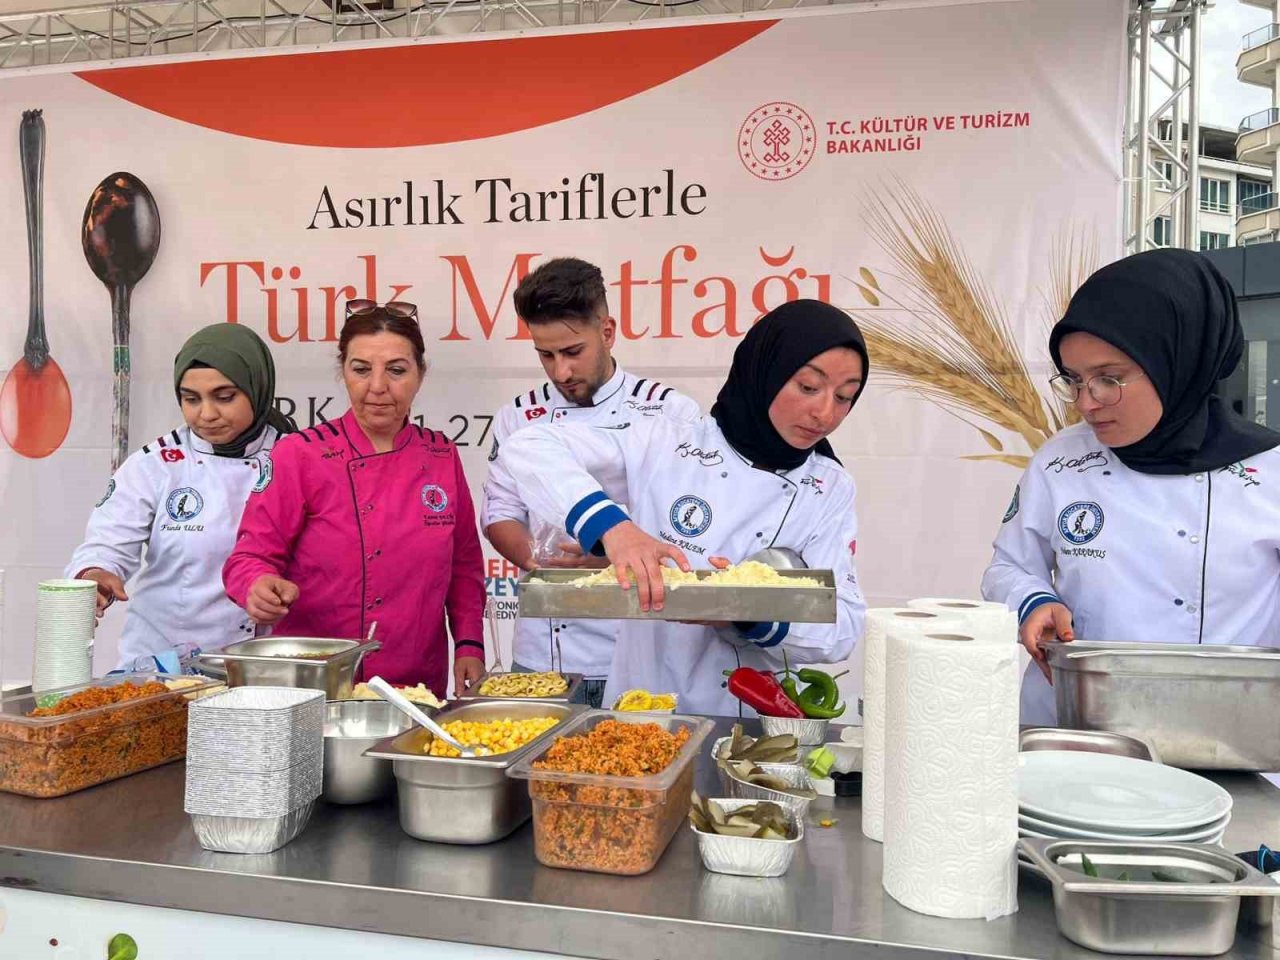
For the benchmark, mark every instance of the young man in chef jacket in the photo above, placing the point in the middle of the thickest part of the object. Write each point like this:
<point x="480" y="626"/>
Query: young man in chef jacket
<point x="564" y="306"/>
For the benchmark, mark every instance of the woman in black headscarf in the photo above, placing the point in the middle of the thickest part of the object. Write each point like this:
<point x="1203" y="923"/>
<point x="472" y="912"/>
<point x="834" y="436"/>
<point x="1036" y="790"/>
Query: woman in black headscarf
<point x="759" y="472"/>
<point x="1153" y="520"/>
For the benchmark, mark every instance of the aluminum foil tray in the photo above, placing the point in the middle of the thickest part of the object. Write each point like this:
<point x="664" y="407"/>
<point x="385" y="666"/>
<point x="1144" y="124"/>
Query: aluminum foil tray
<point x="250" y="834"/>
<point x="552" y="594"/>
<point x="794" y="774"/>
<point x="746" y="856"/>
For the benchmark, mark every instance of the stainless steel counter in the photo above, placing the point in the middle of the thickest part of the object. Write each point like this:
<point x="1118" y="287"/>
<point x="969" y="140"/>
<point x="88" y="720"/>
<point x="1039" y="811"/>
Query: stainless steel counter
<point x="354" y="868"/>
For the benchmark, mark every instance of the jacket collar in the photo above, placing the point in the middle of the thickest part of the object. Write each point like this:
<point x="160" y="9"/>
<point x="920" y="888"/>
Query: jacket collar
<point x="360" y="444"/>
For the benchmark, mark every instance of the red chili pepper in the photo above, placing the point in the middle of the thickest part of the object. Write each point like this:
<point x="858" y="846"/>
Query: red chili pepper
<point x="762" y="692"/>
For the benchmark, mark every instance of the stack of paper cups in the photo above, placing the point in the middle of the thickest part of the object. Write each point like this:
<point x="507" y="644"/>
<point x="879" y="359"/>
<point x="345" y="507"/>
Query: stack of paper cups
<point x="951" y="789"/>
<point x="879" y="622"/>
<point x="64" y="633"/>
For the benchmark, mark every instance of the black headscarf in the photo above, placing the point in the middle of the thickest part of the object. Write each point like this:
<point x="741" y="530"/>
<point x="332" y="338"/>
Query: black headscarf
<point x="239" y="355"/>
<point x="782" y="342"/>
<point x="1175" y="315"/>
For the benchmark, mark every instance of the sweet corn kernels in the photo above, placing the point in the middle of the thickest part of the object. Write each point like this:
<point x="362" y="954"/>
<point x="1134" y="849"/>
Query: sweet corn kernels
<point x="490" y="737"/>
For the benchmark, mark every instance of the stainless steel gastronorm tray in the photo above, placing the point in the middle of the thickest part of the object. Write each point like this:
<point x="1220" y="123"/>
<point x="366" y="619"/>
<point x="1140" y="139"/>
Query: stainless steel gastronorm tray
<point x="1205" y="707"/>
<point x="471" y="799"/>
<point x="575" y="681"/>
<point x="1088" y="741"/>
<point x="552" y="594"/>
<point x="1191" y="912"/>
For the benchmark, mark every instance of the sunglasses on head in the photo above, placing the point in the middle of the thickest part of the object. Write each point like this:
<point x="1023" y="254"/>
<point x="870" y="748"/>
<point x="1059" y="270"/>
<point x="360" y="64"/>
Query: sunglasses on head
<point x="395" y="308"/>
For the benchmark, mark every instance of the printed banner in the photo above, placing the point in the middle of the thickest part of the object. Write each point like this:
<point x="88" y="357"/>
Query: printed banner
<point x="947" y="172"/>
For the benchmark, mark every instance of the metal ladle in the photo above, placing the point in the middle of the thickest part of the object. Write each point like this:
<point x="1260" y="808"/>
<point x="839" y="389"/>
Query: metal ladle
<point x="394" y="697"/>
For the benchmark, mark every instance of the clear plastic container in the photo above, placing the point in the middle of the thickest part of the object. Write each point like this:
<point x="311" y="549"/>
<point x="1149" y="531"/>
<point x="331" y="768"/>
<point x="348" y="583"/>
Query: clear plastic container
<point x="56" y="755"/>
<point x="606" y="823"/>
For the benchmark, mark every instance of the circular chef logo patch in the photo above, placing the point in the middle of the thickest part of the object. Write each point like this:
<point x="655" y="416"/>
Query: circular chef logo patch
<point x="1014" y="504"/>
<point x="184" y="504"/>
<point x="434" y="498"/>
<point x="111" y="488"/>
<point x="1080" y="522"/>
<point x="265" y="473"/>
<point x="691" y="516"/>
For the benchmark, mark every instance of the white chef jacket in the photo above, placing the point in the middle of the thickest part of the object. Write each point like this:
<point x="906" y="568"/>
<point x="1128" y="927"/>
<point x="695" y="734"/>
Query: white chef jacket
<point x="685" y="484"/>
<point x="585" y="645"/>
<point x="1138" y="557"/>
<point x="182" y="502"/>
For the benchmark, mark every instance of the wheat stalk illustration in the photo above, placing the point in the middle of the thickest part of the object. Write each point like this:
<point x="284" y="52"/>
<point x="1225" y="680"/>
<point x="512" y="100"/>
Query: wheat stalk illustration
<point x="960" y="352"/>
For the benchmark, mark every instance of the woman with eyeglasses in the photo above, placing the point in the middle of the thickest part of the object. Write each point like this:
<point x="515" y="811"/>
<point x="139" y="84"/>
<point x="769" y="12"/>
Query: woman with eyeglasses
<point x="1158" y="517"/>
<point x="369" y="518"/>
<point x="179" y="499"/>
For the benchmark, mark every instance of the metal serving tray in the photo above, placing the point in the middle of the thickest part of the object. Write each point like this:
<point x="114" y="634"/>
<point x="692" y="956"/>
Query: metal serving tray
<point x="460" y="799"/>
<point x="1088" y="741"/>
<point x="1204" y="707"/>
<point x="551" y="594"/>
<point x="278" y="662"/>
<point x="1196" y="917"/>
<point x="575" y="682"/>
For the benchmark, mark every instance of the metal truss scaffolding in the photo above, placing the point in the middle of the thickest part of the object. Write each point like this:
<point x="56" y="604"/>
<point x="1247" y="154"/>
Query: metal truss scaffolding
<point x="1163" y="43"/>
<point x="139" y="28"/>
<point x="1162" y="115"/>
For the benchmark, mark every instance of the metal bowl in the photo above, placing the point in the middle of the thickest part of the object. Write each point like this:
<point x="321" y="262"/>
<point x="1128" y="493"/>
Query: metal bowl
<point x="350" y="728"/>
<point x="281" y="662"/>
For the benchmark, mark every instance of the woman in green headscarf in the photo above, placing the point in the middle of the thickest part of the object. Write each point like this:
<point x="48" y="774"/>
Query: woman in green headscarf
<point x="181" y="497"/>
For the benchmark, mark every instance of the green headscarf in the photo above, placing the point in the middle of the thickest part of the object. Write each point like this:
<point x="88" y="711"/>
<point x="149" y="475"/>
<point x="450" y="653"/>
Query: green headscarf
<point x="239" y="355"/>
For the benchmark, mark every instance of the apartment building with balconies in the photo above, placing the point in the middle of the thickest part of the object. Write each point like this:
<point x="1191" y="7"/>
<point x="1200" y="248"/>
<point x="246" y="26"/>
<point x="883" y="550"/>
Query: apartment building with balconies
<point x="1258" y="139"/>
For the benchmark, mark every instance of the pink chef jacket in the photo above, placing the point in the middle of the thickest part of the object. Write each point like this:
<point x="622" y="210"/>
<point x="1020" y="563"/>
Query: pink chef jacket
<point x="369" y="537"/>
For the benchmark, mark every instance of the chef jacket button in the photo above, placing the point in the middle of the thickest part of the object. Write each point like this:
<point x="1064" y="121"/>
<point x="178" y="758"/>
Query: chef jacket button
<point x="1199" y="478"/>
<point x="369" y="606"/>
<point x="370" y="557"/>
<point x="377" y="553"/>
<point x="759" y="536"/>
<point x="1191" y="608"/>
<point x="1195" y="539"/>
<point x="1182" y="533"/>
<point x="1178" y="602"/>
<point x="377" y="601"/>
<point x="723" y="475"/>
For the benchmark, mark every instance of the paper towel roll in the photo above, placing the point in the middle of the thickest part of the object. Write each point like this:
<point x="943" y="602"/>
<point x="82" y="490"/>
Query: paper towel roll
<point x="984" y="620"/>
<point x="951" y="790"/>
<point x="873" y="686"/>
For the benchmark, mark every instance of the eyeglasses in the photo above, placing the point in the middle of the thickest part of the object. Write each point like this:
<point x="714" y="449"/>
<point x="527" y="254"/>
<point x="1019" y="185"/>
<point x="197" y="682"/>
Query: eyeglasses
<point x="395" y="308"/>
<point x="1104" y="390"/>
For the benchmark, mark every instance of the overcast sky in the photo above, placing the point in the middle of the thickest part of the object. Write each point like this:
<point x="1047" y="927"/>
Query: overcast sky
<point x="1224" y="100"/>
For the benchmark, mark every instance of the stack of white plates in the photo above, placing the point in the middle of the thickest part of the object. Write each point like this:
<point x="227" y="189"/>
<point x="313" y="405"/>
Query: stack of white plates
<point x="1098" y="796"/>
<point x="64" y="634"/>
<point x="255" y="764"/>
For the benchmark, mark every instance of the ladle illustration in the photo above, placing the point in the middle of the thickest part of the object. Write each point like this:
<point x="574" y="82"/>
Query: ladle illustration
<point x="121" y="237"/>
<point x="35" y="401"/>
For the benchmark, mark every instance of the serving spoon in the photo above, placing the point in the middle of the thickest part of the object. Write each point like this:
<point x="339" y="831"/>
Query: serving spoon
<point x="406" y="706"/>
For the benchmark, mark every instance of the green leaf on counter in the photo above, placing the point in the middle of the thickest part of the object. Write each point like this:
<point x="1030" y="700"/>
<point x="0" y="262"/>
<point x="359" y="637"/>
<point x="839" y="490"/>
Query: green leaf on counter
<point x="1087" y="865"/>
<point x="122" y="947"/>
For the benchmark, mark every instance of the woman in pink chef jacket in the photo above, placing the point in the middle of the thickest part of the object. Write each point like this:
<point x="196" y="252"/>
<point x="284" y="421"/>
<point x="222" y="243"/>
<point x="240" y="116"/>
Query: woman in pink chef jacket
<point x="369" y="518"/>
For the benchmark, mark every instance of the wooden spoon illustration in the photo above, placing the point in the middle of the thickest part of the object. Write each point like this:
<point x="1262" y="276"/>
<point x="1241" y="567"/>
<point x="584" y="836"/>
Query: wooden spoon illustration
<point x="121" y="236"/>
<point x="35" y="401"/>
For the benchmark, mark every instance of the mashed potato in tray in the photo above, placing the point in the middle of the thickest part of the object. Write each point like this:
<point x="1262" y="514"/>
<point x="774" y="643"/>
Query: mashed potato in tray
<point x="419" y="694"/>
<point x="751" y="573"/>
